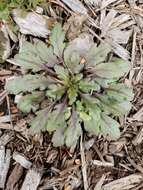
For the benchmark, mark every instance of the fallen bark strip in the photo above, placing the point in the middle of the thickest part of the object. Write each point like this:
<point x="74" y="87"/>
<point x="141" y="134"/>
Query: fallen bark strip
<point x="4" y="165"/>
<point x="32" y="180"/>
<point x="14" y="177"/>
<point x="124" y="183"/>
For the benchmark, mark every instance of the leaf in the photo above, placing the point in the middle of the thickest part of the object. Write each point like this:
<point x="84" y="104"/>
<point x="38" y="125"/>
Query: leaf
<point x="104" y="82"/>
<point x="27" y="83"/>
<point x="35" y="56"/>
<point x="76" y="50"/>
<point x="86" y="86"/>
<point x="93" y="124"/>
<point x="113" y="106"/>
<point x="57" y="40"/>
<point x="61" y="72"/>
<point x="46" y="54"/>
<point x="55" y="91"/>
<point x="120" y="91"/>
<point x="73" y="131"/>
<point x="58" y="137"/>
<point x="56" y="119"/>
<point x="98" y="54"/>
<point x="115" y="69"/>
<point x="72" y="95"/>
<point x="110" y="127"/>
<point x="29" y="102"/>
<point x="39" y="122"/>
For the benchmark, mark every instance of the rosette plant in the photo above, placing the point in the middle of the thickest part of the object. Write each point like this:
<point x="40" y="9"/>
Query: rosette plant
<point x="80" y="81"/>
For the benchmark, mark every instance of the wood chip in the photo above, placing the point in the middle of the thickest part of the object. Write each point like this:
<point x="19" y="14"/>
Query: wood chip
<point x="44" y="23"/>
<point x="124" y="183"/>
<point x="6" y="138"/>
<point x="102" y="164"/>
<point x="4" y="165"/>
<point x="21" y="160"/>
<point x="76" y="6"/>
<point x="32" y="180"/>
<point x="14" y="177"/>
<point x="100" y="183"/>
<point x="139" y="138"/>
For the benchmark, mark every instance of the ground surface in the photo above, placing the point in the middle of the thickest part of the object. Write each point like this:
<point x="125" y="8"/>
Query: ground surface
<point x="95" y="163"/>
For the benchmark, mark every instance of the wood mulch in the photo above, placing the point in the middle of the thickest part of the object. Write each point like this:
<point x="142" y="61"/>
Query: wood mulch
<point x="31" y="162"/>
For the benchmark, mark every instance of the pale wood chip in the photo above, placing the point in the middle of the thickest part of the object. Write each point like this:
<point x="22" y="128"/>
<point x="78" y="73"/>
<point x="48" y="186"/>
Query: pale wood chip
<point x="124" y="183"/>
<point x="4" y="165"/>
<point x="139" y="138"/>
<point x="100" y="183"/>
<point x="19" y="158"/>
<point x="33" y="19"/>
<point x="102" y="164"/>
<point x="6" y="138"/>
<point x="76" y="6"/>
<point x="32" y="180"/>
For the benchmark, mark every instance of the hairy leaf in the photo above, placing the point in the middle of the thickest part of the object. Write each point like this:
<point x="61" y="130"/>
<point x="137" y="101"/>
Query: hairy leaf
<point x="35" y="56"/>
<point x="27" y="83"/>
<point x="115" y="69"/>
<point x="120" y="91"/>
<point x="29" y="102"/>
<point x="76" y="50"/>
<point x="55" y="91"/>
<point x="57" y="40"/>
<point x="93" y="125"/>
<point x="73" y="131"/>
<point x="113" y="106"/>
<point x="58" y="137"/>
<point x="88" y="86"/>
<point x="110" y="127"/>
<point x="98" y="54"/>
<point x="61" y="72"/>
<point x="38" y="124"/>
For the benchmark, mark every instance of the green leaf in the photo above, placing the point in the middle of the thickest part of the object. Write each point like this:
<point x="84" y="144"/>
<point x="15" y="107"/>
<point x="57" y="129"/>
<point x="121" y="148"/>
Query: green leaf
<point x="27" y="83"/>
<point x="104" y="82"/>
<point x="58" y="137"/>
<point x="55" y="91"/>
<point x="75" y="51"/>
<point x="46" y="54"/>
<point x="93" y="125"/>
<point x="120" y="92"/>
<point x="115" y="69"/>
<point x="98" y="54"/>
<point x="110" y="127"/>
<point x="39" y="122"/>
<point x="87" y="85"/>
<point x="61" y="72"/>
<point x="57" y="40"/>
<point x="72" y="95"/>
<point x="113" y="106"/>
<point x="73" y="131"/>
<point x="30" y="101"/>
<point x="35" y="56"/>
<point x="56" y="120"/>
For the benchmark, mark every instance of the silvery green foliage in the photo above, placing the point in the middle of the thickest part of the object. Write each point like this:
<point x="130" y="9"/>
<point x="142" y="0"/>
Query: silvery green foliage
<point x="82" y="87"/>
